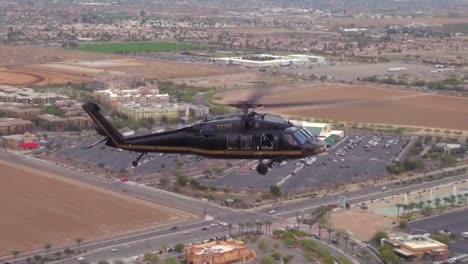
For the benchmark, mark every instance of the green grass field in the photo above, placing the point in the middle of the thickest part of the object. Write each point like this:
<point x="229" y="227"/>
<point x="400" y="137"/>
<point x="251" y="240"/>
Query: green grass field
<point x="127" y="47"/>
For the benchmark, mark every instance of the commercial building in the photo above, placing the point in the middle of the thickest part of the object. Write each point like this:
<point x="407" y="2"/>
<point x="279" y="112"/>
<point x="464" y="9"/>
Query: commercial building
<point x="322" y="130"/>
<point x="11" y="126"/>
<point x="219" y="252"/>
<point x="418" y="247"/>
<point x="21" y="141"/>
<point x="267" y="60"/>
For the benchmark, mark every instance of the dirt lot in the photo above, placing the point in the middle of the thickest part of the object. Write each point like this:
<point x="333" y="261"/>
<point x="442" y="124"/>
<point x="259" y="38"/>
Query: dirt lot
<point x="39" y="208"/>
<point x="366" y="104"/>
<point x="363" y="225"/>
<point x="398" y="21"/>
<point x="39" y="66"/>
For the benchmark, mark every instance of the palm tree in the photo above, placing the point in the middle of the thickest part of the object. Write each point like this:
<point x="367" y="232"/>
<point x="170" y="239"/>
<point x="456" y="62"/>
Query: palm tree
<point x="329" y="230"/>
<point x="352" y="244"/>
<point x="78" y="242"/>
<point x="466" y="197"/>
<point x="446" y="200"/>
<point x="346" y="239"/>
<point x="452" y="199"/>
<point x="437" y="202"/>
<point x="15" y="254"/>
<point x="398" y="206"/>
<point x="268" y="224"/>
<point x="47" y="248"/>
<point x="420" y="205"/>
<point x="460" y="199"/>
<point x="364" y="256"/>
<point x="429" y="202"/>
<point x="230" y="228"/>
<point x="241" y="226"/>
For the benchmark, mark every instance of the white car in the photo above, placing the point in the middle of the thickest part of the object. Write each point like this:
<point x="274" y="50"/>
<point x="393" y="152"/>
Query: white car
<point x="272" y="211"/>
<point x="223" y="223"/>
<point x="213" y="224"/>
<point x="81" y="258"/>
<point x="114" y="250"/>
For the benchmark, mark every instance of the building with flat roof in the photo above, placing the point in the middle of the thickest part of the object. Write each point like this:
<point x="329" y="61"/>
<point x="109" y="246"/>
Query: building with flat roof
<point x="267" y="60"/>
<point x="219" y="252"/>
<point x="322" y="131"/>
<point x="20" y="141"/>
<point x="418" y="247"/>
<point x="22" y="111"/>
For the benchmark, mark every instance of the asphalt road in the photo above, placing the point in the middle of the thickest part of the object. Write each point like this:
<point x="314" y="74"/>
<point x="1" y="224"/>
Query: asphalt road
<point x="138" y="242"/>
<point x="456" y="222"/>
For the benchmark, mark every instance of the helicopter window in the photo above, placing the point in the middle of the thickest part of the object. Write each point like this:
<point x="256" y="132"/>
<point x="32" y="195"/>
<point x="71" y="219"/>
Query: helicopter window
<point x="233" y="142"/>
<point x="290" y="140"/>
<point x="307" y="133"/>
<point x="301" y="139"/>
<point x="246" y="142"/>
<point x="267" y="141"/>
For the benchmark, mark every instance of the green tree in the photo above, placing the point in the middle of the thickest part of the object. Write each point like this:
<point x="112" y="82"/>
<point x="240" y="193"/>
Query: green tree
<point x="172" y="260"/>
<point x="47" y="247"/>
<point x="182" y="180"/>
<point x="276" y="255"/>
<point x="179" y="247"/>
<point x="388" y="255"/>
<point x="267" y="260"/>
<point x="263" y="245"/>
<point x="287" y="259"/>
<point x="275" y="190"/>
<point x="403" y="223"/>
<point x="151" y="258"/>
<point x="441" y="238"/>
<point x="378" y="236"/>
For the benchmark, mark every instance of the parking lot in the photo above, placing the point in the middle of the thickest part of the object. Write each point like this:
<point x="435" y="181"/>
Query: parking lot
<point x="120" y="161"/>
<point x="345" y="163"/>
<point x="454" y="222"/>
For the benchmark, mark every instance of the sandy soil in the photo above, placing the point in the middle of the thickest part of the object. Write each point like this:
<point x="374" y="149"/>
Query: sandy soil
<point x="54" y="65"/>
<point x="401" y="21"/>
<point x="363" y="225"/>
<point x="365" y="104"/>
<point x="39" y="208"/>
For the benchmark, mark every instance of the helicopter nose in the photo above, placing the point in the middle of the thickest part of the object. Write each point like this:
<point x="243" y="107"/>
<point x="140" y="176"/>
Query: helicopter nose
<point x="319" y="147"/>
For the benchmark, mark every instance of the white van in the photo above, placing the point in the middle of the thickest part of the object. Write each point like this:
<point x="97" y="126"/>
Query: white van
<point x="464" y="234"/>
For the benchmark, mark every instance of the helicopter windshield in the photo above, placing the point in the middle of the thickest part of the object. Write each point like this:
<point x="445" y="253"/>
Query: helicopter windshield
<point x="306" y="133"/>
<point x="300" y="137"/>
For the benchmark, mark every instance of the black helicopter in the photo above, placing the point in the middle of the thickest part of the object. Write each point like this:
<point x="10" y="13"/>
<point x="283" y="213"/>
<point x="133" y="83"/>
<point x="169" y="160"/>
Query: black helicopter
<point x="245" y="135"/>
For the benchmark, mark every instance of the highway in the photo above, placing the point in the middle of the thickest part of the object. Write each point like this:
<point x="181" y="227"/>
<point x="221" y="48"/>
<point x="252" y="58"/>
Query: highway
<point x="140" y="242"/>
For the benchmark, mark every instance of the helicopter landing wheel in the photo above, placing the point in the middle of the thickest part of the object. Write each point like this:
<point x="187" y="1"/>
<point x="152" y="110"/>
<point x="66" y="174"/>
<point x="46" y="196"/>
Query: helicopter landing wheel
<point x="135" y="162"/>
<point x="262" y="168"/>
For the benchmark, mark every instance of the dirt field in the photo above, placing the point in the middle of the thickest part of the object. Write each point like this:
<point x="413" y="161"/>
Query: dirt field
<point x="399" y="21"/>
<point x="363" y="225"/>
<point x="40" y="66"/>
<point x="39" y="208"/>
<point x="365" y="104"/>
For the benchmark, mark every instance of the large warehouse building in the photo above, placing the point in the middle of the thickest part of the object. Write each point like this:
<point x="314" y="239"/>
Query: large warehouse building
<point x="267" y="60"/>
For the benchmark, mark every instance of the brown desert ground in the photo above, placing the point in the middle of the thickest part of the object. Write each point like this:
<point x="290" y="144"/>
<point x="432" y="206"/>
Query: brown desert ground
<point x="365" y="104"/>
<point x="38" y="208"/>
<point x="363" y="225"/>
<point x="29" y="65"/>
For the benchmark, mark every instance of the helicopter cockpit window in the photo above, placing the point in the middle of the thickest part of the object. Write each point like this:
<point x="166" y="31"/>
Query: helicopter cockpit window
<point x="246" y="142"/>
<point x="233" y="142"/>
<point x="301" y="139"/>
<point x="289" y="139"/>
<point x="267" y="141"/>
